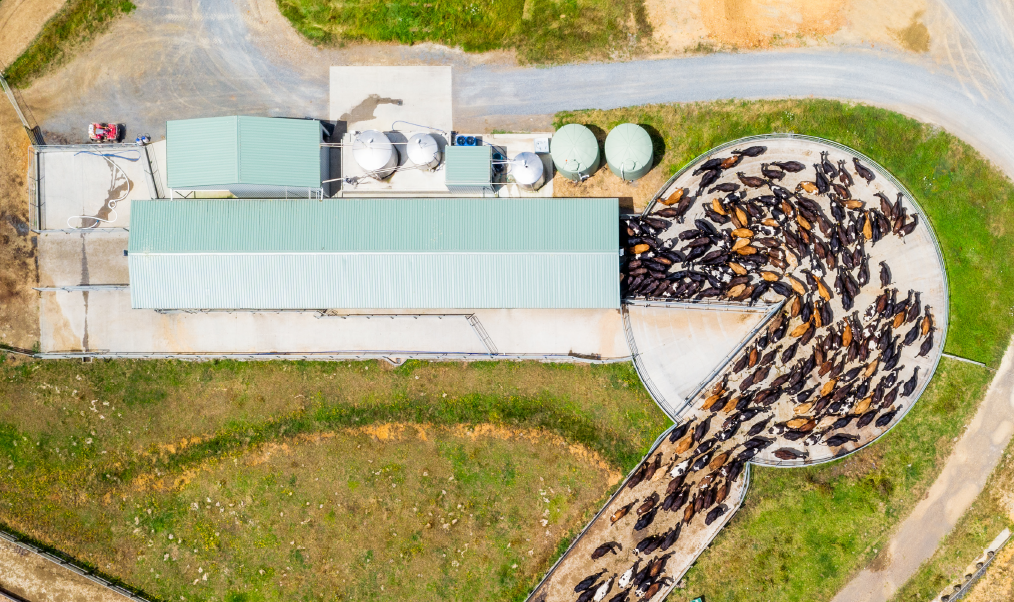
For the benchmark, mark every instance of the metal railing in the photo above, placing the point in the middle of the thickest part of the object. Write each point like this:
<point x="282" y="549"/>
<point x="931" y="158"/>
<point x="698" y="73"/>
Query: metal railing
<point x="482" y="334"/>
<point x="150" y="168"/>
<point x="33" y="177"/>
<point x="67" y="564"/>
<point x="27" y="120"/>
<point x="708" y="304"/>
<point x="393" y="356"/>
<point x="970" y="580"/>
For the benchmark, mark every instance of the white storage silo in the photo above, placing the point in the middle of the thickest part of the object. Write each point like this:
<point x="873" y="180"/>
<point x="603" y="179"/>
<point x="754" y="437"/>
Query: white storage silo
<point x="424" y="151"/>
<point x="528" y="171"/>
<point x="374" y="152"/>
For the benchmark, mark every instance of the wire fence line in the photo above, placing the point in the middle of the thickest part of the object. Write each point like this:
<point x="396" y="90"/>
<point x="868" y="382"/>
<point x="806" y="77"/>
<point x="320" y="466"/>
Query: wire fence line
<point x="27" y="120"/>
<point x="68" y="564"/>
<point x="970" y="580"/>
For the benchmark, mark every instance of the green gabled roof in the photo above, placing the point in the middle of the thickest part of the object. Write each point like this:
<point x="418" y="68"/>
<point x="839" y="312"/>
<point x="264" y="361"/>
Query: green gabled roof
<point x="374" y="254"/>
<point x="243" y="150"/>
<point x="467" y="165"/>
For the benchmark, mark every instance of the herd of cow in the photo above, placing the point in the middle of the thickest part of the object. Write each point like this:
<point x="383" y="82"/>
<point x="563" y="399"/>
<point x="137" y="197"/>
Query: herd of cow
<point x="820" y="378"/>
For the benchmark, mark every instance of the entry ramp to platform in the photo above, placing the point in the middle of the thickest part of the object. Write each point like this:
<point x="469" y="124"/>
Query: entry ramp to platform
<point x="677" y="347"/>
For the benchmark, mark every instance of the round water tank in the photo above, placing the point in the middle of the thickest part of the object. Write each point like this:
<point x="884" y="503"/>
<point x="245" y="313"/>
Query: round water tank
<point x="575" y="152"/>
<point x="424" y="151"/>
<point x="628" y="151"/>
<point x="374" y="152"/>
<point x="528" y="171"/>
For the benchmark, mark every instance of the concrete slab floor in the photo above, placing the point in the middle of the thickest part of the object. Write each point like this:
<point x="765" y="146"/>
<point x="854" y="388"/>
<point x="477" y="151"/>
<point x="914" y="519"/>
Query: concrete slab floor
<point x="425" y="182"/>
<point x="75" y="184"/>
<point x="83" y="257"/>
<point x="679" y="347"/>
<point x="374" y="97"/>
<point x="102" y="321"/>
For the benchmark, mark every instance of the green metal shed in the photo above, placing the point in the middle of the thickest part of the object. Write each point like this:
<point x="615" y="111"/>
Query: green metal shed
<point x="450" y="253"/>
<point x="249" y="156"/>
<point x="629" y="151"/>
<point x="575" y="152"/>
<point x="469" y="169"/>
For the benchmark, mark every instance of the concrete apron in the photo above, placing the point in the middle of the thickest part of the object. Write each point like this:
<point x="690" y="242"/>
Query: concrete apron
<point x="960" y="482"/>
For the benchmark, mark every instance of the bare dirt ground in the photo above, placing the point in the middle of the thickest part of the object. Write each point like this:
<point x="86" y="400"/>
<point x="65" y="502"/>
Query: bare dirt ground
<point x="36" y="579"/>
<point x="698" y="25"/>
<point x="20" y="22"/>
<point x="171" y="60"/>
<point x="19" y="308"/>
<point x="634" y="196"/>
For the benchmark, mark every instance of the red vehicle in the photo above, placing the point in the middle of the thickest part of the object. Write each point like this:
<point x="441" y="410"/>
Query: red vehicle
<point x="105" y="132"/>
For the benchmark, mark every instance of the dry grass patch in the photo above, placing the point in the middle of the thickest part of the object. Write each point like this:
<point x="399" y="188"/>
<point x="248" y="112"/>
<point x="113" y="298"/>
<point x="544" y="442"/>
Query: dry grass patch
<point x="427" y="513"/>
<point x="19" y="313"/>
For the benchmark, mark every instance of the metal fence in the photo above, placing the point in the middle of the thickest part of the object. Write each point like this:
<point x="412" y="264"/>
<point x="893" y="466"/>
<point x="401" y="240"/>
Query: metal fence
<point x="25" y="115"/>
<point x="67" y="564"/>
<point x="34" y="179"/>
<point x="970" y="580"/>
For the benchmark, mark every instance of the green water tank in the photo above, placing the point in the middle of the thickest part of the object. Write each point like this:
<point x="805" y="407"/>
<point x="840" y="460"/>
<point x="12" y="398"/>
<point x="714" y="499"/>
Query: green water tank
<point x="628" y="151"/>
<point x="575" y="152"/>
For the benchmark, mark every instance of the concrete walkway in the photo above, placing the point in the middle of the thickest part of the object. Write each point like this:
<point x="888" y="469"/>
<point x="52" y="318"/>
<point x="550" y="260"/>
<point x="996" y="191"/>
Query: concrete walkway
<point x="960" y="482"/>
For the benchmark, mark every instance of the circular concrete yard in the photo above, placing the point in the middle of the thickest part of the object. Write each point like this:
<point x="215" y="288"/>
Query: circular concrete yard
<point x="745" y="332"/>
<point x="782" y="315"/>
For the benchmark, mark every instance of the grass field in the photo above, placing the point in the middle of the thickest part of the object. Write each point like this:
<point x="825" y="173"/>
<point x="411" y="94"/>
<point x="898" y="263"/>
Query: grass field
<point x="106" y="461"/>
<point x="76" y="23"/>
<point x="969" y="202"/>
<point x="540" y="30"/>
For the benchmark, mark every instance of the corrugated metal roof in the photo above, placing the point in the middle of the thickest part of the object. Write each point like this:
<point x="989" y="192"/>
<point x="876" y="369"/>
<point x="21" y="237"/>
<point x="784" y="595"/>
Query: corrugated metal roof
<point x="202" y="151"/>
<point x="374" y="225"/>
<point x="374" y="254"/>
<point x="467" y="164"/>
<point x="243" y="150"/>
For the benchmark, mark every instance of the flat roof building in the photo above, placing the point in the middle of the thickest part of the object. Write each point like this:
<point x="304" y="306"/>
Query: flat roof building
<point x="440" y="253"/>
<point x="250" y="157"/>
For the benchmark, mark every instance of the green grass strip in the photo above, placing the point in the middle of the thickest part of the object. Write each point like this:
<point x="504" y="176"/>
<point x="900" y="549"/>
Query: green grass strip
<point x="76" y="23"/>
<point x="542" y="31"/>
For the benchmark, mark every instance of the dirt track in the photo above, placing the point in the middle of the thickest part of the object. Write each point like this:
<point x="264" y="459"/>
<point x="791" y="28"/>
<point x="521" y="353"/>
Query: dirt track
<point x="963" y="477"/>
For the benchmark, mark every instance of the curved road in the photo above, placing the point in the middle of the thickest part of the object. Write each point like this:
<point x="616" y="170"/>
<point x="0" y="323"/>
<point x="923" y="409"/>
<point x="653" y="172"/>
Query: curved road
<point x="174" y="59"/>
<point x="186" y="58"/>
